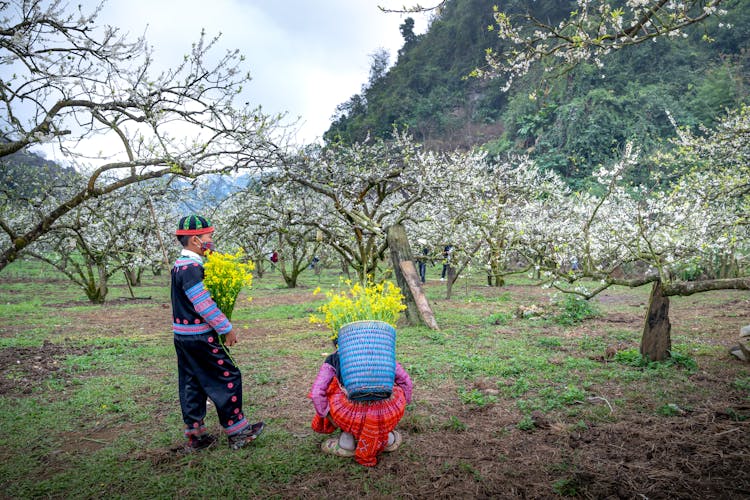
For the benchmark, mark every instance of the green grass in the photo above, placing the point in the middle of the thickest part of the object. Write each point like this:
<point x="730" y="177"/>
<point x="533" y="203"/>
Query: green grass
<point x="475" y="397"/>
<point x="573" y="309"/>
<point x="118" y="397"/>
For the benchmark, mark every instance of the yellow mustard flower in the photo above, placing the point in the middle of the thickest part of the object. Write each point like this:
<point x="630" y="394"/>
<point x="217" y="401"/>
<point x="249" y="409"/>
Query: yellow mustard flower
<point x="225" y="276"/>
<point x="371" y="301"/>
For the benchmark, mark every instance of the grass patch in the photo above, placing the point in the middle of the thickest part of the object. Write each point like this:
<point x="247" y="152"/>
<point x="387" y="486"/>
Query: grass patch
<point x="111" y="393"/>
<point x="574" y="310"/>
<point x="475" y="397"/>
<point x="742" y="384"/>
<point x="633" y="357"/>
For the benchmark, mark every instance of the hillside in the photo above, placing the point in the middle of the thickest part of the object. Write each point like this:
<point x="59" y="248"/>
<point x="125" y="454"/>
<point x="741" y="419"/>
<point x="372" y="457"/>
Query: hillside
<point x="26" y="174"/>
<point x="575" y="123"/>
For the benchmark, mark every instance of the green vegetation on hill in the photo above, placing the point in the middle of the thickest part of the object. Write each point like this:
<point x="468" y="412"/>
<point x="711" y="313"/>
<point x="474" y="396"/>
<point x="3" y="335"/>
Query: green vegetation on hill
<point x="27" y="174"/>
<point x="570" y="124"/>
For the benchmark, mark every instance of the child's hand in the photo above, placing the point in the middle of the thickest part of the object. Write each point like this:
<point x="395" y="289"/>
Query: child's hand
<point x="230" y="338"/>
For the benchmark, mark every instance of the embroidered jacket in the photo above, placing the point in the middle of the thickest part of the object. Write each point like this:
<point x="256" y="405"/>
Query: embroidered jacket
<point x="194" y="311"/>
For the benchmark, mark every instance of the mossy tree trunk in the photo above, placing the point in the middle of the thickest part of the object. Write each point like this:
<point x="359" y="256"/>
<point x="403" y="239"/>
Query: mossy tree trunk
<point x="451" y="277"/>
<point x="133" y="276"/>
<point x="656" y="341"/>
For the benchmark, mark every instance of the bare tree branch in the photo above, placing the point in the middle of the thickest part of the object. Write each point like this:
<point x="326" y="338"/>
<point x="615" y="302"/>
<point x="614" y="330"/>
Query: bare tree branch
<point x="83" y="88"/>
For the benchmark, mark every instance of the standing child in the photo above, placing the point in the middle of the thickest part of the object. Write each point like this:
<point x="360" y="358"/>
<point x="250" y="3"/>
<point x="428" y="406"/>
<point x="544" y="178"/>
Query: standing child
<point x="367" y="427"/>
<point x="204" y="366"/>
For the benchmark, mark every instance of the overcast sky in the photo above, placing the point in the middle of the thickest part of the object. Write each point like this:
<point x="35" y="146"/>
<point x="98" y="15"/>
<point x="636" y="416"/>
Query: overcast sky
<point x="305" y="56"/>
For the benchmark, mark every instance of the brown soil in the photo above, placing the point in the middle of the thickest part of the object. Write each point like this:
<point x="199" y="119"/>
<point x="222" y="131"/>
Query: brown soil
<point x="703" y="452"/>
<point x="24" y="368"/>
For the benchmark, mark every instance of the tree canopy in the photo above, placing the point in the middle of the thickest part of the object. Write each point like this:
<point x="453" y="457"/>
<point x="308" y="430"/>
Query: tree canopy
<point x="74" y="85"/>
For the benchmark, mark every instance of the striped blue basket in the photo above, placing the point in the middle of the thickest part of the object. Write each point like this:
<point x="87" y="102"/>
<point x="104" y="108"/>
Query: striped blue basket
<point x="367" y="354"/>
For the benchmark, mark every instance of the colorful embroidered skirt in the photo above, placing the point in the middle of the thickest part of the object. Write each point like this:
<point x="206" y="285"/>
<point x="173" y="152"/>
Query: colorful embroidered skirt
<point x="369" y="421"/>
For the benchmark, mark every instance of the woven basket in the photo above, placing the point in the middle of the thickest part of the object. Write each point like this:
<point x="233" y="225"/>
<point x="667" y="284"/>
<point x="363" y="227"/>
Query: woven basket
<point x="367" y="353"/>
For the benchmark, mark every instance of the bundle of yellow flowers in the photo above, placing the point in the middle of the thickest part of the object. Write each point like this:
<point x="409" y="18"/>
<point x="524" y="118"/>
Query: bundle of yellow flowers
<point x="381" y="301"/>
<point x="224" y="277"/>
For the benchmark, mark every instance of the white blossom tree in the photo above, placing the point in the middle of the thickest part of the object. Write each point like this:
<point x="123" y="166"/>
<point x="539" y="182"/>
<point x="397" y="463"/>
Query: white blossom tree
<point x="100" y="238"/>
<point x="719" y="161"/>
<point x="272" y="215"/>
<point x="363" y="189"/>
<point x="633" y="237"/>
<point x="593" y="29"/>
<point x="84" y="89"/>
<point x="475" y="214"/>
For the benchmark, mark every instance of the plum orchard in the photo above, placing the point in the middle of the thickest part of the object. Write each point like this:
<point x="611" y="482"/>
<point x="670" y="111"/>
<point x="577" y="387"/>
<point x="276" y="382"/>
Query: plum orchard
<point x="363" y="189"/>
<point x="476" y="210"/>
<point x="76" y="86"/>
<point x="272" y="216"/>
<point x="113" y="233"/>
<point x="688" y="239"/>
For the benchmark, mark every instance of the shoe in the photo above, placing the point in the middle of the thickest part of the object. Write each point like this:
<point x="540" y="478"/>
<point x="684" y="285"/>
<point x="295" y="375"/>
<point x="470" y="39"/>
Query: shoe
<point x="196" y="443"/>
<point x="247" y="435"/>
<point x="332" y="447"/>
<point x="397" y="440"/>
<point x="202" y="442"/>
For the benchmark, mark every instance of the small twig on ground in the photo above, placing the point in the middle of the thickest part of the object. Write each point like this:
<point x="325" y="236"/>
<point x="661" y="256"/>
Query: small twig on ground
<point x="599" y="398"/>
<point x="727" y="431"/>
<point x="95" y="440"/>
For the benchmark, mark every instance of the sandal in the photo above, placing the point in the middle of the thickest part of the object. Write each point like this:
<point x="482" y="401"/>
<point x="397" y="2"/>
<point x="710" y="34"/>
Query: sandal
<point x="332" y="447"/>
<point x="397" y="440"/>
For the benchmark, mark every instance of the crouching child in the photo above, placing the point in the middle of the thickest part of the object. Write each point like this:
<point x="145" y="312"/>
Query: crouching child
<point x="368" y="413"/>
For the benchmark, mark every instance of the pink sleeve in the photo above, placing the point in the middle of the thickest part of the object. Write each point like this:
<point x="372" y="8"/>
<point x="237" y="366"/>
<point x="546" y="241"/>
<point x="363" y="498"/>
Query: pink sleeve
<point x="403" y="381"/>
<point x="319" y="388"/>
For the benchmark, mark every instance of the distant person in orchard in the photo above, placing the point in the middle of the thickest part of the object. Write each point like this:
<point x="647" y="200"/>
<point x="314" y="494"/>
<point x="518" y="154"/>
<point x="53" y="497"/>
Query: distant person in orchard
<point x="447" y="255"/>
<point x="368" y="426"/>
<point x="422" y="260"/>
<point x="204" y="366"/>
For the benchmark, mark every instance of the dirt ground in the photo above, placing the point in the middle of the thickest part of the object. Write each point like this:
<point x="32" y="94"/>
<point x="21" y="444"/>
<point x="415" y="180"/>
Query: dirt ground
<point x="703" y="452"/>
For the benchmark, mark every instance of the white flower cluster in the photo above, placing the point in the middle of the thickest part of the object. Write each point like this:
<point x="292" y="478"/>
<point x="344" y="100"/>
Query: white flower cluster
<point x="591" y="31"/>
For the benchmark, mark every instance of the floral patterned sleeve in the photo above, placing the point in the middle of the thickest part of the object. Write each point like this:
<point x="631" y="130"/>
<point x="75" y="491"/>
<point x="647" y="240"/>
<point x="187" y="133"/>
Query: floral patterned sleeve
<point x="206" y="307"/>
<point x="319" y="388"/>
<point x="404" y="381"/>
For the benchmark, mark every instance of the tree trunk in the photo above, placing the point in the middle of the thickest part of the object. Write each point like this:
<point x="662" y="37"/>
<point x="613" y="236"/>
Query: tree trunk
<point x="133" y="276"/>
<point x="130" y="287"/>
<point x="451" y="278"/>
<point x="495" y="274"/>
<point x="345" y="268"/>
<point x="156" y="269"/>
<point x="97" y="292"/>
<point x="158" y="234"/>
<point x="656" y="342"/>
<point x="417" y="307"/>
<point x="290" y="278"/>
<point x="259" y="270"/>
<point x="495" y="279"/>
<point x="415" y="287"/>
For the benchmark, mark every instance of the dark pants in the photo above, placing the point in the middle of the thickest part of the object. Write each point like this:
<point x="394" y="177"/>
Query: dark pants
<point x="206" y="371"/>
<point x="422" y="270"/>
